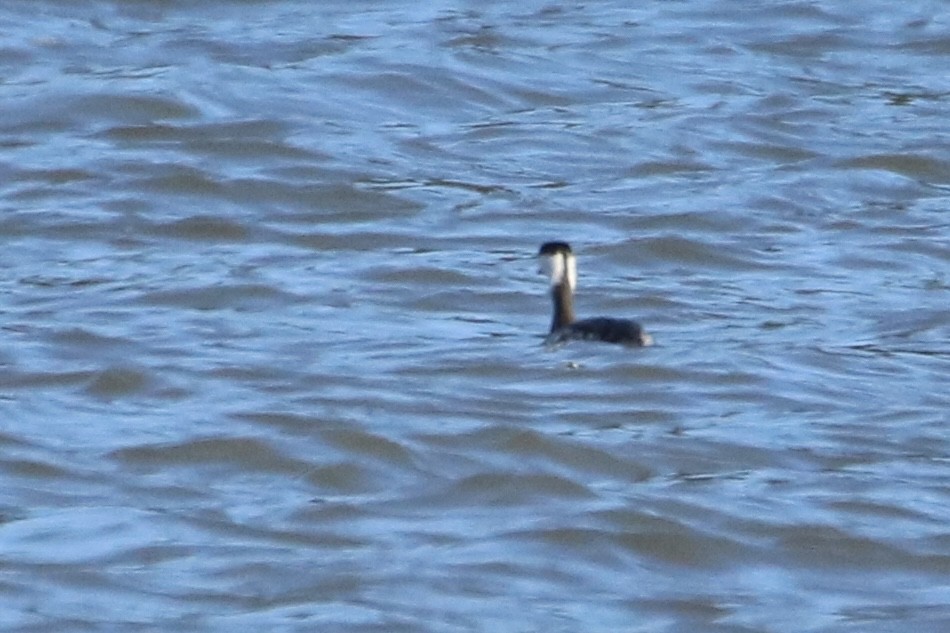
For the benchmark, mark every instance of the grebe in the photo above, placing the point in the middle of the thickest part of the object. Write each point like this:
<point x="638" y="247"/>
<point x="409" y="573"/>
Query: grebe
<point x="558" y="263"/>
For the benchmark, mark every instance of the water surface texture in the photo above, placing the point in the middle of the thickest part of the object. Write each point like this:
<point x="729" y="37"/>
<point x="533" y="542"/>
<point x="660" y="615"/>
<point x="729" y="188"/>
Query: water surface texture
<point x="272" y="327"/>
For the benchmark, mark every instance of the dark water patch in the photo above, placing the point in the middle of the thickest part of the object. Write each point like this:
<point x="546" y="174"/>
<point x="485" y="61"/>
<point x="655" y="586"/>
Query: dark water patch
<point x="150" y="133"/>
<point x="828" y="546"/>
<point x="355" y="240"/>
<point x="71" y="111"/>
<point x="288" y="51"/>
<point x="500" y="489"/>
<point x="871" y="512"/>
<point x="567" y="454"/>
<point x="425" y="89"/>
<point x="684" y="251"/>
<point x="251" y="151"/>
<point x="773" y="152"/>
<point x="640" y="536"/>
<point x="118" y="382"/>
<point x="251" y="142"/>
<point x="56" y="176"/>
<point x="308" y="203"/>
<point x="247" y="453"/>
<point x="34" y="469"/>
<point x="203" y="228"/>
<point x="131" y="108"/>
<point x="287" y="423"/>
<point x="920" y="167"/>
<point x="82" y="338"/>
<point x="43" y="379"/>
<point x="402" y="271"/>
<point x="62" y="282"/>
<point x="358" y="443"/>
<point x="922" y="244"/>
<point x="13" y="56"/>
<point x="654" y="168"/>
<point x="937" y="45"/>
<point x="248" y="297"/>
<point x="342" y="478"/>
<point x="177" y="179"/>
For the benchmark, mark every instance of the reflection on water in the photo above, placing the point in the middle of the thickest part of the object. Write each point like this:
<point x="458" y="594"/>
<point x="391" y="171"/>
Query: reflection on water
<point x="273" y="329"/>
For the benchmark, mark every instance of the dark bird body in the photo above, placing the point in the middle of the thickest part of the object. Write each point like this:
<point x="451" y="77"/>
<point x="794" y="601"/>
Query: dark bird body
<point x="558" y="262"/>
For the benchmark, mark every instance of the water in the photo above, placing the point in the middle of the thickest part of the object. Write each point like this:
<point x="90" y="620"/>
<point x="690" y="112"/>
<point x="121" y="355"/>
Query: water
<point x="272" y="326"/>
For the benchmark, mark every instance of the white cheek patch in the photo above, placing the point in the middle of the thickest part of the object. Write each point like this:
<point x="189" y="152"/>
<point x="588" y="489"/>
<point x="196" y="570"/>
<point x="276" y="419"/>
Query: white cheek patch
<point x="571" y="265"/>
<point x="560" y="268"/>
<point x="553" y="267"/>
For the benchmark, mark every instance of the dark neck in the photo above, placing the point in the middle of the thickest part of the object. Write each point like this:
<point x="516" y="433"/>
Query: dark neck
<point x="563" y="306"/>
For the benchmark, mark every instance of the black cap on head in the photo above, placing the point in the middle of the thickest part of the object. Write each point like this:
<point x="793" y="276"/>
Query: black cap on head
<point x="550" y="248"/>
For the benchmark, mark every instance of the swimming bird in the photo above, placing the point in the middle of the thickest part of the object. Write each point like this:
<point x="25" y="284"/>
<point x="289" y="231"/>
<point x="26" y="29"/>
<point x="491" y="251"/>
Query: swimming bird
<point x="558" y="263"/>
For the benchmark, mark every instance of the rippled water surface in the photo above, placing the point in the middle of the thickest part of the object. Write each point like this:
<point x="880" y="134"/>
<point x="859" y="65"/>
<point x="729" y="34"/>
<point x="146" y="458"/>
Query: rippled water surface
<point x="272" y="328"/>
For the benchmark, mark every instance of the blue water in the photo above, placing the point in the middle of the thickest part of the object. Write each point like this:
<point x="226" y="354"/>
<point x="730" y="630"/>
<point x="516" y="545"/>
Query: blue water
<point x="272" y="325"/>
